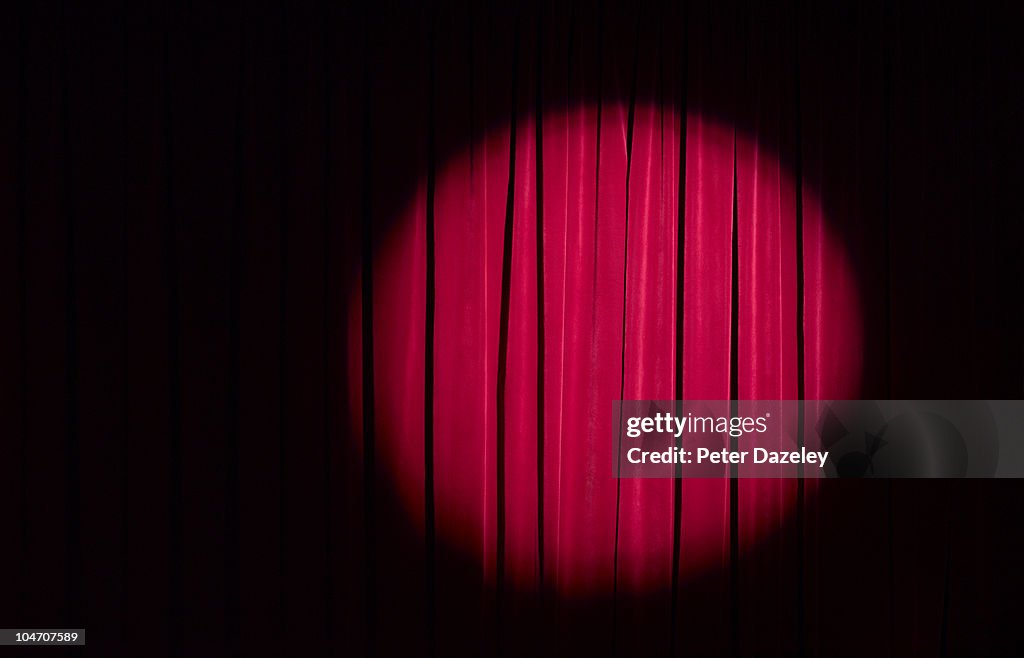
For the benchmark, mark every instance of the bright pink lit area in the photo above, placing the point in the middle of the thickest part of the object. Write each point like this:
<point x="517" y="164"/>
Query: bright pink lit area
<point x="592" y="316"/>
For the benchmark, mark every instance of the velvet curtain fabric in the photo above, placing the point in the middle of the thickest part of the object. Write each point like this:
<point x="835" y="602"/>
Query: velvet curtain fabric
<point x="318" y="314"/>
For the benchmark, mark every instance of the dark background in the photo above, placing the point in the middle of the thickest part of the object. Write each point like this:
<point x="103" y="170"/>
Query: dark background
<point x="187" y="191"/>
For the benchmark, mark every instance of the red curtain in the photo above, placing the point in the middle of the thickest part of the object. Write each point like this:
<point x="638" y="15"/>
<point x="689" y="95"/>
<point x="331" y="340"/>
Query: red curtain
<point x="317" y="314"/>
<point x="656" y="202"/>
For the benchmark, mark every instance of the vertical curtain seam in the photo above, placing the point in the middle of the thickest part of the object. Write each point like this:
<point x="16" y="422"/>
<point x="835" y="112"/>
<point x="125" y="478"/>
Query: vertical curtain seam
<point x="366" y="329"/>
<point x="503" y="328"/>
<point x="429" y="511"/>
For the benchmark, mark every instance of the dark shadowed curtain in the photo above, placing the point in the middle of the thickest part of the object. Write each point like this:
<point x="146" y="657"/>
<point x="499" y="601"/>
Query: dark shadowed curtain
<point x="316" y="315"/>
